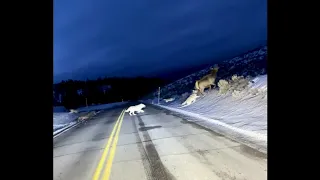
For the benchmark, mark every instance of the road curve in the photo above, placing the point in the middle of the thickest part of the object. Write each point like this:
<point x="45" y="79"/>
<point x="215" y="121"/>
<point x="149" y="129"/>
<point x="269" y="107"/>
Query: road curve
<point x="153" y="145"/>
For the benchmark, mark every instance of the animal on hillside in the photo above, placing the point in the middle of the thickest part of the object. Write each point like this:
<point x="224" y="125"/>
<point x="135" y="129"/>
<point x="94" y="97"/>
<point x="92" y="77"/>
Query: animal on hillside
<point x="137" y="108"/>
<point x="191" y="99"/>
<point x="207" y="81"/>
<point x="87" y="116"/>
<point x="73" y="111"/>
<point x="169" y="100"/>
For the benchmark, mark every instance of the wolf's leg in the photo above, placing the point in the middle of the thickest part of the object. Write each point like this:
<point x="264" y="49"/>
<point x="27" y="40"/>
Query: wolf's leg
<point x="214" y="85"/>
<point x="133" y="113"/>
<point x="142" y="111"/>
<point x="201" y="91"/>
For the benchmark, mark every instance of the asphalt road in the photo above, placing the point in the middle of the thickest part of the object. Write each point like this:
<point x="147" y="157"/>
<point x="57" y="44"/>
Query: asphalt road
<point x="151" y="145"/>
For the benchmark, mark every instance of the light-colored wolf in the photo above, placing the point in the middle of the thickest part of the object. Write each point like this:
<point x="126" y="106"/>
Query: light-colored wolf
<point x="169" y="100"/>
<point x="137" y="108"/>
<point x="191" y="99"/>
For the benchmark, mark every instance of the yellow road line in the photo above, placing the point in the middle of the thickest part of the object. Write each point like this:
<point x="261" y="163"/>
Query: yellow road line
<point x="106" y="150"/>
<point x="107" y="170"/>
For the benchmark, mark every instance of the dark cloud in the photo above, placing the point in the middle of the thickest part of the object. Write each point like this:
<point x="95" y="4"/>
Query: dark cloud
<point x="143" y="37"/>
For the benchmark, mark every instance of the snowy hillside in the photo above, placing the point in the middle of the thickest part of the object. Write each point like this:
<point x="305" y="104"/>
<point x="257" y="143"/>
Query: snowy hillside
<point x="252" y="64"/>
<point x="239" y="102"/>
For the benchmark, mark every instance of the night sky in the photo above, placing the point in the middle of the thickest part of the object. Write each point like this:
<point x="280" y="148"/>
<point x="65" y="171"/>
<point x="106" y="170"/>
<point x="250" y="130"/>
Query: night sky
<point x="150" y="38"/>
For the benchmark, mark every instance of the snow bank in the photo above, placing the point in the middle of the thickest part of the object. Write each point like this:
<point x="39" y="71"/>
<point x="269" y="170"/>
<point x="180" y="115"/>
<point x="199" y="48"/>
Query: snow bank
<point x="61" y="120"/>
<point x="244" y="113"/>
<point x="100" y="107"/>
<point x="65" y="119"/>
<point x="237" y="108"/>
<point x="65" y="128"/>
<point x="248" y="111"/>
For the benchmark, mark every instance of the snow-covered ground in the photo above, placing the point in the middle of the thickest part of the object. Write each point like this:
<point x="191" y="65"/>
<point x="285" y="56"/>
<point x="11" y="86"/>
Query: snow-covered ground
<point x="61" y="120"/>
<point x="67" y="119"/>
<point x="248" y="113"/>
<point x="100" y="107"/>
<point x="236" y="108"/>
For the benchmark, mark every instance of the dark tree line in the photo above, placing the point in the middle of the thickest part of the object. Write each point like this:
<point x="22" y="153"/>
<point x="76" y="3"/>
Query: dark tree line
<point x="93" y="92"/>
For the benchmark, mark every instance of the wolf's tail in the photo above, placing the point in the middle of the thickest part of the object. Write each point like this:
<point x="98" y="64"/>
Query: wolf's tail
<point x="184" y="105"/>
<point x="197" y="85"/>
<point x="126" y="110"/>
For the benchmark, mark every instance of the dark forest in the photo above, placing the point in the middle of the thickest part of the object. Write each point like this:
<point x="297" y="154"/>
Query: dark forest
<point x="74" y="93"/>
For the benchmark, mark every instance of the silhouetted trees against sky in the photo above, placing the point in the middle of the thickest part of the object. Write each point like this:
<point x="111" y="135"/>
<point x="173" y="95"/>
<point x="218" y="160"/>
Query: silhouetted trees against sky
<point x="76" y="93"/>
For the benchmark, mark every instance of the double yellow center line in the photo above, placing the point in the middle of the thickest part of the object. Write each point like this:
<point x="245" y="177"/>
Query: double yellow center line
<point x="114" y="140"/>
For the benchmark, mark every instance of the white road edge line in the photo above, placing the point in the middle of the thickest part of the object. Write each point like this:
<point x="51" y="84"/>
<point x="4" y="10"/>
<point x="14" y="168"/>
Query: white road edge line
<point x="65" y="129"/>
